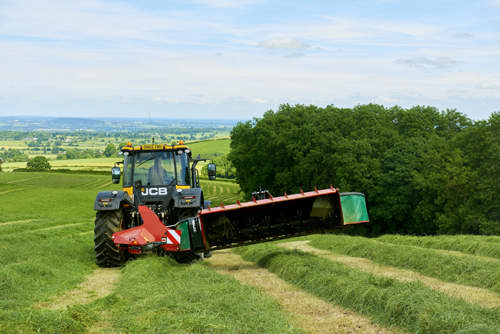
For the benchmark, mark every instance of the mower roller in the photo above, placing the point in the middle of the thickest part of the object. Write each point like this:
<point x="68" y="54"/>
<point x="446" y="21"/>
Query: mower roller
<point x="162" y="209"/>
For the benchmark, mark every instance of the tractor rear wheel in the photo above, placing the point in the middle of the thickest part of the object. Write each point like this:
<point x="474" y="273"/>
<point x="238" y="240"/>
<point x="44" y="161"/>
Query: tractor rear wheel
<point x="107" y="254"/>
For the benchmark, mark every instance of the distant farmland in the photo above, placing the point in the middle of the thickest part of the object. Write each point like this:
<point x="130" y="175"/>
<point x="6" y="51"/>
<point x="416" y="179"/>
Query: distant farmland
<point x="207" y="148"/>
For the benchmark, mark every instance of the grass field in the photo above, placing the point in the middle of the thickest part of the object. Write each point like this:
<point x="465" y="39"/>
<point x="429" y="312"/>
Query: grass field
<point x="49" y="282"/>
<point x="473" y="245"/>
<point x="210" y="147"/>
<point x="221" y="191"/>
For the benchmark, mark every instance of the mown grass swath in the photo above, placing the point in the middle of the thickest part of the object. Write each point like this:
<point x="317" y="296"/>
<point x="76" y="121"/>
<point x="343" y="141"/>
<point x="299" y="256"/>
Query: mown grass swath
<point x="221" y="191"/>
<point x="452" y="268"/>
<point x="157" y="293"/>
<point x="411" y="306"/>
<point x="469" y="244"/>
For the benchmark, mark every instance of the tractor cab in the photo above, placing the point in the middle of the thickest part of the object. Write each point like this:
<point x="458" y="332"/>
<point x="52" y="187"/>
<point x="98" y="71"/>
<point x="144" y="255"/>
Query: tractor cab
<point x="157" y="165"/>
<point x="162" y="177"/>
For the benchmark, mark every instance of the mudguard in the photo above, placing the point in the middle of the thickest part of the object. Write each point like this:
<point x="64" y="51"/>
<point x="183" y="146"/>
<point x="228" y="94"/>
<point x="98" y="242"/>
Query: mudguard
<point x="111" y="200"/>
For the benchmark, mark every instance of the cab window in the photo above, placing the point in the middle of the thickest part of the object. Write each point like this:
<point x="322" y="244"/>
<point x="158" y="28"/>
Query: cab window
<point x="128" y="162"/>
<point x="182" y="165"/>
<point x="154" y="168"/>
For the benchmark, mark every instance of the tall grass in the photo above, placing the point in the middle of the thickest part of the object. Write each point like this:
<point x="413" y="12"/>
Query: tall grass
<point x="469" y="244"/>
<point x="411" y="306"/>
<point x="446" y="267"/>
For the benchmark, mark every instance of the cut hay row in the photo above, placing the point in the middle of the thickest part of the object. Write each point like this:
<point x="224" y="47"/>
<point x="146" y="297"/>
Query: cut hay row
<point x="16" y="222"/>
<point x="59" y="227"/>
<point x="94" y="181"/>
<point x="16" y="181"/>
<point x="388" y="302"/>
<point x="104" y="185"/>
<point x="470" y="271"/>
<point x="98" y="284"/>
<point x="219" y="191"/>
<point x="310" y="313"/>
<point x="157" y="295"/>
<point x="457" y="253"/>
<point x="102" y="325"/>
<point x="38" y="226"/>
<point x="10" y="191"/>
<point x="474" y="245"/>
<point x="469" y="294"/>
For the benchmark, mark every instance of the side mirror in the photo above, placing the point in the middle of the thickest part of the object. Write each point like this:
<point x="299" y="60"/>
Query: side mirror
<point x="197" y="178"/>
<point x="212" y="171"/>
<point x="115" y="175"/>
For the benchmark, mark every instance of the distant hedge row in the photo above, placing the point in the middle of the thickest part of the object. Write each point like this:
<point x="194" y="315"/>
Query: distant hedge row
<point x="423" y="171"/>
<point x="64" y="170"/>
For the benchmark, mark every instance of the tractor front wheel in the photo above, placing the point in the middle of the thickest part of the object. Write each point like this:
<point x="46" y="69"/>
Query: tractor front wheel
<point x="107" y="254"/>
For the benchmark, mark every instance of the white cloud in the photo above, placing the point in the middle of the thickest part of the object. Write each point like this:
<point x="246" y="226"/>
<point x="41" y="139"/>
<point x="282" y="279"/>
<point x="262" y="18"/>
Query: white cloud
<point x="425" y="62"/>
<point x="284" y="43"/>
<point x="463" y="35"/>
<point x="227" y="3"/>
<point x="76" y="20"/>
<point x="295" y="55"/>
<point x="489" y="85"/>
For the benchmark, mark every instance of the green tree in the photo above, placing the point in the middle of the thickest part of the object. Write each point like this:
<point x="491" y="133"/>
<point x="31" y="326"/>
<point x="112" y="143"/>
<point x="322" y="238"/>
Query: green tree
<point x="38" y="163"/>
<point x="110" y="150"/>
<point x="423" y="171"/>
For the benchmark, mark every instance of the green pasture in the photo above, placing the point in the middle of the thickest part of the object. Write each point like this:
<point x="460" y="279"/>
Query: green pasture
<point x="98" y="164"/>
<point x="210" y="147"/>
<point x="221" y="192"/>
<point x="17" y="144"/>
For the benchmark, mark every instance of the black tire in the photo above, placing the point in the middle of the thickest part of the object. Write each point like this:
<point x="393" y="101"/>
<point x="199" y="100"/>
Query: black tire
<point x="185" y="257"/>
<point x="106" y="252"/>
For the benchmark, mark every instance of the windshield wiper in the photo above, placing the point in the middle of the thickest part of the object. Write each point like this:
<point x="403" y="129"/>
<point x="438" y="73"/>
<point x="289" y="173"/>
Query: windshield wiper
<point x="142" y="162"/>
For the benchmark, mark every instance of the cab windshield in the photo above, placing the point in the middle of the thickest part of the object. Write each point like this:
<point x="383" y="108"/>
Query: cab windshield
<point x="154" y="168"/>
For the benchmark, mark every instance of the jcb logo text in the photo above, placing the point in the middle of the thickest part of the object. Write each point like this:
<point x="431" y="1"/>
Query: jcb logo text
<point x="154" y="191"/>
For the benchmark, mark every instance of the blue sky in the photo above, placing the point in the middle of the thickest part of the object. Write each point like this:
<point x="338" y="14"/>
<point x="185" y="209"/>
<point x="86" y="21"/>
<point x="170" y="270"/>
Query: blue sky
<point x="236" y="59"/>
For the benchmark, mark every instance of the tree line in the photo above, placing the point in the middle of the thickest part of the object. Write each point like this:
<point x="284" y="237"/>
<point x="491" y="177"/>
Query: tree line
<point x="423" y="171"/>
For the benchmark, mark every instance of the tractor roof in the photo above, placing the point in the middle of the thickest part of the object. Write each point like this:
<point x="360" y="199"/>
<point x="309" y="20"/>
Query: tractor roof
<point x="153" y="147"/>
